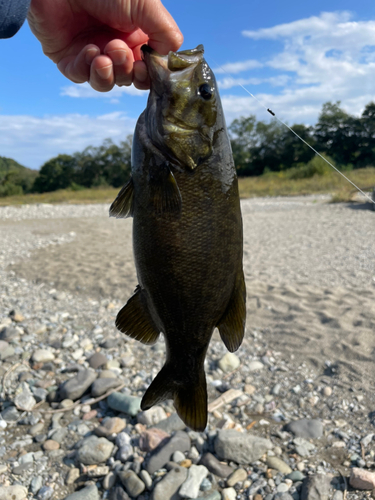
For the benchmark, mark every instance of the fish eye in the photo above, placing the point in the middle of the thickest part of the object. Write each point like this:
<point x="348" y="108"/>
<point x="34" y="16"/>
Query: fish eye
<point x="205" y="91"/>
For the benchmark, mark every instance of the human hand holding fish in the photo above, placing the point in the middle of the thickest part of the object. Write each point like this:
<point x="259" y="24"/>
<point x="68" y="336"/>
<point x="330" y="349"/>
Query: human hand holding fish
<point x="99" y="41"/>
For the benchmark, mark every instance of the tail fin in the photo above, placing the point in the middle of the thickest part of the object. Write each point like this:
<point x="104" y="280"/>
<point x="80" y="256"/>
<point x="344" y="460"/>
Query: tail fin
<point x="190" y="396"/>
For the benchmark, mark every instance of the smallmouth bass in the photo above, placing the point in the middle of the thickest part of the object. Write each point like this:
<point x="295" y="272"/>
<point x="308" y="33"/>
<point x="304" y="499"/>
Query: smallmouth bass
<point x="187" y="230"/>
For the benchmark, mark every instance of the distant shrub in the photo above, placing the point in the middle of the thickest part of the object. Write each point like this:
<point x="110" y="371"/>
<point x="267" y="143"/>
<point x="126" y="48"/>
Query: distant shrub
<point x="316" y="166"/>
<point x="76" y="187"/>
<point x="10" y="189"/>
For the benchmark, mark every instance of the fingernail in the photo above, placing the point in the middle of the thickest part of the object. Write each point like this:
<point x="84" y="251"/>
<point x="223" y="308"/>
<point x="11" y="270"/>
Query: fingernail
<point x="105" y="72"/>
<point x="117" y="56"/>
<point x="90" y="55"/>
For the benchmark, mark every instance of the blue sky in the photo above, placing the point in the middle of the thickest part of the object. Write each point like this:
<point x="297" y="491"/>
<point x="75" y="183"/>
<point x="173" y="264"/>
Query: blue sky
<point x="292" y="55"/>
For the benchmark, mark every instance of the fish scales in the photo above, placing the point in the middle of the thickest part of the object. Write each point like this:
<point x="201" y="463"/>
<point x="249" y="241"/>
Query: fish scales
<point x="187" y="230"/>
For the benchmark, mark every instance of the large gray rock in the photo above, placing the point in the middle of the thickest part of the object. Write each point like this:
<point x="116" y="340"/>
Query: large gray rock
<point x="240" y="447"/>
<point x="167" y="488"/>
<point x="215" y="466"/>
<point x="13" y="492"/>
<point x="180" y="441"/>
<point x="308" y="428"/>
<point x="316" y="487"/>
<point x="132" y="484"/>
<point x="101" y="385"/>
<point x="171" y="424"/>
<point x="88" y="493"/>
<point x="118" y="493"/>
<point x="94" y="450"/>
<point x="76" y="386"/>
<point x="124" y="403"/>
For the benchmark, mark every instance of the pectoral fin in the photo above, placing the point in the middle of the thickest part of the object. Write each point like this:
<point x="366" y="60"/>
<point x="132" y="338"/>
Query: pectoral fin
<point x="165" y="195"/>
<point x="232" y="323"/>
<point x="122" y="207"/>
<point x="135" y="319"/>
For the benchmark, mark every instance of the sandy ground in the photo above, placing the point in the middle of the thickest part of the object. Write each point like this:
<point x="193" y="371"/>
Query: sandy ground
<point x="309" y="266"/>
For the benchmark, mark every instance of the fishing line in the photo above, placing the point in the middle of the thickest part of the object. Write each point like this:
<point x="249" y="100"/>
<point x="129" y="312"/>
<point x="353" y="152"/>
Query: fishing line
<point x="303" y="140"/>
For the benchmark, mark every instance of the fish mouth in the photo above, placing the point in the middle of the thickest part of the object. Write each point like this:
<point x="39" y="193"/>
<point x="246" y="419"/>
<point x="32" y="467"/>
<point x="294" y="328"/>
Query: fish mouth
<point x="172" y="62"/>
<point x="173" y="124"/>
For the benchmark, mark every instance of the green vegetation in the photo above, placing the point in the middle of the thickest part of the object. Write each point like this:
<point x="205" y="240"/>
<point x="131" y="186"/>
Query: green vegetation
<point x="270" y="160"/>
<point x="271" y="184"/>
<point x="14" y="178"/>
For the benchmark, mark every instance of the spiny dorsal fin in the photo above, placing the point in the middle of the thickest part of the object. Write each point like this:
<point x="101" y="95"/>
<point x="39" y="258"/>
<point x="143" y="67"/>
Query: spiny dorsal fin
<point x="232" y="324"/>
<point x="122" y="207"/>
<point x="164" y="193"/>
<point x="135" y="320"/>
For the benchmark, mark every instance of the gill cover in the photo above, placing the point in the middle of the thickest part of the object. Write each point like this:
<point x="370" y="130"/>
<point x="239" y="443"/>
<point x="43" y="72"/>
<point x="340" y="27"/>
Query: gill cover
<point x="182" y="107"/>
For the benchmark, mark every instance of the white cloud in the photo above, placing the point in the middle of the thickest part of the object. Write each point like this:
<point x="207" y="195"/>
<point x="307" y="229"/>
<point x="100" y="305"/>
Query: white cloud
<point x="275" y="81"/>
<point x="32" y="140"/>
<point x="238" y="67"/>
<point x="84" y="91"/>
<point x="329" y="57"/>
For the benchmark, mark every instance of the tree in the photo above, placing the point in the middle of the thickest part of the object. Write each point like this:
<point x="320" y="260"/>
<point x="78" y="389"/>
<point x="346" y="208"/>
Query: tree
<point x="57" y="173"/>
<point x="338" y="134"/>
<point x="367" y="142"/>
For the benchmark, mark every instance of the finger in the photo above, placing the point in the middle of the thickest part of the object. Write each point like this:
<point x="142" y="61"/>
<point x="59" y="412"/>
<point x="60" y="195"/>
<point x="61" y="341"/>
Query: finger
<point x="77" y="67"/>
<point x="154" y="19"/>
<point x="122" y="59"/>
<point x="102" y="76"/>
<point x="141" y="79"/>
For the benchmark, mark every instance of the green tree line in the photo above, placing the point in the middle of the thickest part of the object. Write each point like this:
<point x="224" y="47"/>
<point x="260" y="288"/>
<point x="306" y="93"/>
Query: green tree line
<point x="258" y="147"/>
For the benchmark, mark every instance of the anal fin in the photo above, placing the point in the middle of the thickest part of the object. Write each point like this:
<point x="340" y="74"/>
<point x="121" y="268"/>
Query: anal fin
<point x="123" y="207"/>
<point x="135" y="320"/>
<point x="232" y="324"/>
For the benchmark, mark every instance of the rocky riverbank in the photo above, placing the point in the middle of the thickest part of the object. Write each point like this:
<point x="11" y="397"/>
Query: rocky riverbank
<point x="289" y="417"/>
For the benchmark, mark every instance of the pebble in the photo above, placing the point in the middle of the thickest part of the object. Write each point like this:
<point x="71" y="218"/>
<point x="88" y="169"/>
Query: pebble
<point x="94" y="450"/>
<point x="76" y="386"/>
<point x="327" y="391"/>
<point x="118" y="493"/>
<point x="146" y="478"/>
<point x="36" y="484"/>
<point x="88" y="493"/>
<point x="237" y="476"/>
<point x="42" y="356"/>
<point x="124" y="403"/>
<point x="362" y="479"/>
<point x="178" y="456"/>
<point x="255" y="366"/>
<point x="306" y="428"/>
<point x="132" y="484"/>
<point x="13" y="492"/>
<point x="295" y="476"/>
<point x="97" y="360"/>
<point x="151" y="438"/>
<point x="316" y="487"/>
<point x="98" y="471"/>
<point x="109" y="480"/>
<point x="213" y="496"/>
<point x="168" y="487"/>
<point x="45" y="493"/>
<point x="152" y="416"/>
<point x="214" y="466"/>
<point x="25" y="401"/>
<point x="72" y="476"/>
<point x="180" y="441"/>
<point x="10" y="414"/>
<point x="101" y="385"/>
<point x="190" y="488"/>
<point x="107" y="374"/>
<point x="229" y="362"/>
<point x="171" y="424"/>
<point x="278" y="464"/>
<point x="110" y="426"/>
<point x="229" y="494"/>
<point x="50" y="444"/>
<point x="240" y="447"/>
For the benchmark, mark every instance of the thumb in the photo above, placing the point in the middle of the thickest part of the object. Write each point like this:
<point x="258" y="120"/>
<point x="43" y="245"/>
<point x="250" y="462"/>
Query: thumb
<point x="153" y="19"/>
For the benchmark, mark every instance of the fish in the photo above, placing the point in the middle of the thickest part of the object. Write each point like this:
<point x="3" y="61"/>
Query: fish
<point x="187" y="230"/>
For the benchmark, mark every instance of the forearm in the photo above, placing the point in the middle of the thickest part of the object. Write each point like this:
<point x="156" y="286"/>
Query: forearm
<point x="12" y="16"/>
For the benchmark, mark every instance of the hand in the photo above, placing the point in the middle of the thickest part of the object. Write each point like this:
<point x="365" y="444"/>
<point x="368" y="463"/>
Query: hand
<point x="99" y="41"/>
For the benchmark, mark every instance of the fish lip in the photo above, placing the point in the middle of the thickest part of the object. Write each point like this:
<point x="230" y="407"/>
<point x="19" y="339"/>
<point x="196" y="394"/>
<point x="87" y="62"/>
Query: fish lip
<point x="179" y="124"/>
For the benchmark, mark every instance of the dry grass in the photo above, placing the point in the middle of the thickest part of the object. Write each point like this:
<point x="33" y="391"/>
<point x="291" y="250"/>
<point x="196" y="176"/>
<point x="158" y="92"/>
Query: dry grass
<point x="275" y="184"/>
